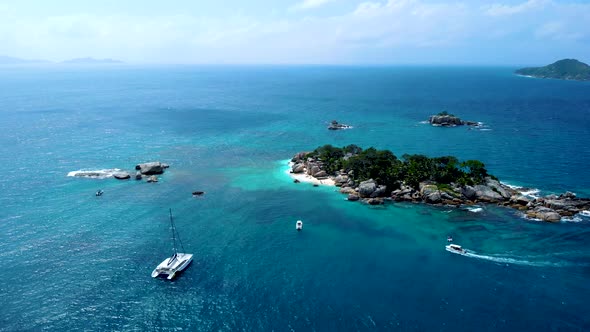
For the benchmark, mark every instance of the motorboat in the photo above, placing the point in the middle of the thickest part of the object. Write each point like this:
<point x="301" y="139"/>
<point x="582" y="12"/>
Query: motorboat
<point x="455" y="248"/>
<point x="177" y="262"/>
<point x="299" y="225"/>
<point x="99" y="192"/>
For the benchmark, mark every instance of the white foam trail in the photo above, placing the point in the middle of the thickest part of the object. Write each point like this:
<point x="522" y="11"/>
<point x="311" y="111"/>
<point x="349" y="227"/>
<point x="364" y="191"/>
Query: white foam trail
<point x="474" y="209"/>
<point x="510" y="260"/>
<point x="95" y="174"/>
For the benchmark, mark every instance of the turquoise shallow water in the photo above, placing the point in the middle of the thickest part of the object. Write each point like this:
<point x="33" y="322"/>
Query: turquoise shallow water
<point x="74" y="261"/>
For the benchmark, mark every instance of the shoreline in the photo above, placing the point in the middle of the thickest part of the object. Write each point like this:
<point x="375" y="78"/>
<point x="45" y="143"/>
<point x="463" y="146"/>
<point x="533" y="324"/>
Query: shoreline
<point x="304" y="178"/>
<point x="487" y="190"/>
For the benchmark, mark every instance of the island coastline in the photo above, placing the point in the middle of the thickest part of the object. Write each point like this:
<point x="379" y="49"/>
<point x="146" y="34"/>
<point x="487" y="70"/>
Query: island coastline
<point x="469" y="184"/>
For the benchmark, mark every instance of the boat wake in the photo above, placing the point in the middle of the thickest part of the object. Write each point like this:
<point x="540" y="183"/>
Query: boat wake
<point x="515" y="260"/>
<point x="95" y="174"/>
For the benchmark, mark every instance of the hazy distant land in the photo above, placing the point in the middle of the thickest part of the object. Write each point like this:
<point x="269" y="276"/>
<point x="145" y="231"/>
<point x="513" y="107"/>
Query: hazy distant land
<point x="9" y="60"/>
<point x="566" y="69"/>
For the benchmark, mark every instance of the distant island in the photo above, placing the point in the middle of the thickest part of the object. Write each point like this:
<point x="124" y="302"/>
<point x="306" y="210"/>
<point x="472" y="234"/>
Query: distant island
<point x="444" y="119"/>
<point x="374" y="176"/>
<point x="9" y="60"/>
<point x="89" y="60"/>
<point x="566" y="69"/>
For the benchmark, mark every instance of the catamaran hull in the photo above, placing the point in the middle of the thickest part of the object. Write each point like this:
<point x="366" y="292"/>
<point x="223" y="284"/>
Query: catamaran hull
<point x="164" y="269"/>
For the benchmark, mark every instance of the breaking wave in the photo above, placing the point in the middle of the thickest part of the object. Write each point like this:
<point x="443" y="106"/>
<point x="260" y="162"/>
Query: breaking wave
<point x="531" y="192"/>
<point x="95" y="174"/>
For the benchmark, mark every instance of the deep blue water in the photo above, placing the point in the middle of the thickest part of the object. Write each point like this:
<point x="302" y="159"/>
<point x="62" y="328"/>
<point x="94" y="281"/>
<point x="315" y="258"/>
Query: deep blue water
<point x="73" y="261"/>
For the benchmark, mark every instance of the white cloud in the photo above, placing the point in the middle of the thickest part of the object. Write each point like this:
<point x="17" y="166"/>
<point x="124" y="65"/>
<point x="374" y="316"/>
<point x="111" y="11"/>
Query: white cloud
<point x="372" y="32"/>
<point x="559" y="31"/>
<point x="503" y="10"/>
<point x="309" y="4"/>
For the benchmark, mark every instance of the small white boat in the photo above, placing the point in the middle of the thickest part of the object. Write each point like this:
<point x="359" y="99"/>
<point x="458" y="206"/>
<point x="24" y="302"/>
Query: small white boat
<point x="299" y="225"/>
<point x="455" y="248"/>
<point x="177" y="262"/>
<point x="99" y="192"/>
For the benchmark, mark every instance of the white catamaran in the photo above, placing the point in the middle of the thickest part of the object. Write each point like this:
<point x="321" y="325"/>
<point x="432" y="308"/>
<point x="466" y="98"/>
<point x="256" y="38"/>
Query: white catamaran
<point x="177" y="262"/>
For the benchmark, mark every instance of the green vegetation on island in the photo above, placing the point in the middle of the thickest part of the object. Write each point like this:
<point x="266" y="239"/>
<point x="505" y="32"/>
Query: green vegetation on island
<point x="385" y="168"/>
<point x="566" y="69"/>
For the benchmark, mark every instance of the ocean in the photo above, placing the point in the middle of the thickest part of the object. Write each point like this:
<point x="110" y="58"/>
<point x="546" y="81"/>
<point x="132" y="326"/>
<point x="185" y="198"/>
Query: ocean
<point x="73" y="261"/>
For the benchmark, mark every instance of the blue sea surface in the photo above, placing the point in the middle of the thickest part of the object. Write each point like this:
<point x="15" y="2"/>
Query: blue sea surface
<point x="73" y="261"/>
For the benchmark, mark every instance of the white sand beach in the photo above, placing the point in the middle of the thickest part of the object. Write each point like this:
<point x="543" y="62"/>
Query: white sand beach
<point x="303" y="177"/>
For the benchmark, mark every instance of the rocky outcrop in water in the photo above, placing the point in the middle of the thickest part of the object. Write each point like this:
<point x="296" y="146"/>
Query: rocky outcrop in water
<point x="449" y="120"/>
<point x="121" y="175"/>
<point x="334" y="125"/>
<point x="151" y="168"/>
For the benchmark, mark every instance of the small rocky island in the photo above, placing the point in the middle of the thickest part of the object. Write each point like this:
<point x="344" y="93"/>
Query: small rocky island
<point x="334" y="125"/>
<point x="566" y="69"/>
<point x="444" y="119"/>
<point x="374" y="176"/>
<point x="148" y="170"/>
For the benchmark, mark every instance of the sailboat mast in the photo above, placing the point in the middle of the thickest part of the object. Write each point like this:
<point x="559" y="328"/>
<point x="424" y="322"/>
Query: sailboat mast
<point x="173" y="233"/>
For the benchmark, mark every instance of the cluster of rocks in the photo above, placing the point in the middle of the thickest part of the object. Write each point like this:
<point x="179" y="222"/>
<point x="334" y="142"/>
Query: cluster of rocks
<point x="334" y="125"/>
<point x="149" y="170"/>
<point x="549" y="208"/>
<point x="449" y="120"/>
<point x="309" y="166"/>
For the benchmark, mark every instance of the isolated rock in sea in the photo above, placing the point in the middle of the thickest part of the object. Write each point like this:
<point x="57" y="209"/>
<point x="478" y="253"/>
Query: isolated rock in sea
<point x="444" y="119"/>
<point x="121" y="175"/>
<point x="152" y="178"/>
<point x="138" y="175"/>
<point x="151" y="168"/>
<point x="334" y="125"/>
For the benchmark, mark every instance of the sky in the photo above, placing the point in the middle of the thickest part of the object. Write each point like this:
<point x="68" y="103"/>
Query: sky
<point x="340" y="32"/>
